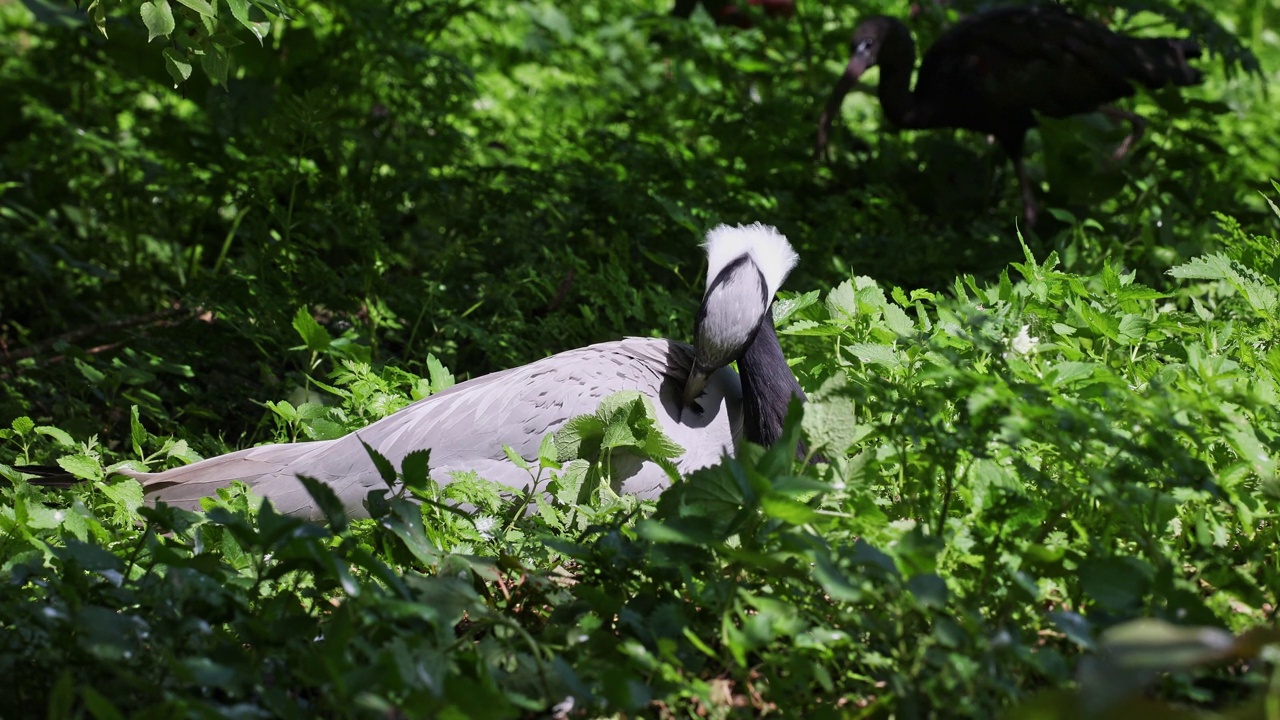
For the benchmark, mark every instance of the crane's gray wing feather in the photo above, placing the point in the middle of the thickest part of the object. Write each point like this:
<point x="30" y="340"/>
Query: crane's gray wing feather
<point x="466" y="426"/>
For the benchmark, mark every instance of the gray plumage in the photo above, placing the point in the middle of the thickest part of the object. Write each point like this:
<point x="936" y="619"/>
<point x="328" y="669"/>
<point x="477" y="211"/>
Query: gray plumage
<point x="699" y="404"/>
<point x="465" y="427"/>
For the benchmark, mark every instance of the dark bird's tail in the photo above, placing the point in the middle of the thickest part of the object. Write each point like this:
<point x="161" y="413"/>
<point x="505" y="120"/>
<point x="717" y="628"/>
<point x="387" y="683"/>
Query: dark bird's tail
<point x="1157" y="62"/>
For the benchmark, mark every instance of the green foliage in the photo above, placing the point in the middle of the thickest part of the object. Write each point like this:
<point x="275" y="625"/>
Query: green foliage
<point x="1047" y="481"/>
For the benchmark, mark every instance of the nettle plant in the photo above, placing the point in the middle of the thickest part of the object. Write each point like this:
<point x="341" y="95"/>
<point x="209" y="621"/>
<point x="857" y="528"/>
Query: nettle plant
<point x="1011" y="474"/>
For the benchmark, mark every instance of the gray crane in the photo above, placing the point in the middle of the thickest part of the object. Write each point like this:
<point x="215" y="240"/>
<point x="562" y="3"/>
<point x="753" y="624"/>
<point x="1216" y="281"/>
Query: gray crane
<point x="700" y="402"/>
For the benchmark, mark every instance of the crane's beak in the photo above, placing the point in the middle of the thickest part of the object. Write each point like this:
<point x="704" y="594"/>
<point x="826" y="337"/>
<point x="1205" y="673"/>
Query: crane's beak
<point x="693" y="387"/>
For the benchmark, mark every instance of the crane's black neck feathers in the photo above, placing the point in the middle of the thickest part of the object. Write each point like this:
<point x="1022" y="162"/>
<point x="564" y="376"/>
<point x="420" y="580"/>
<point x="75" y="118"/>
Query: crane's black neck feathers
<point x="767" y="386"/>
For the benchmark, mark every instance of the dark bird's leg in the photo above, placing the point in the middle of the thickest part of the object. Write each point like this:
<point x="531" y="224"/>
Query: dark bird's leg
<point x="1136" y="122"/>
<point x="1029" y="208"/>
<point x="1013" y="147"/>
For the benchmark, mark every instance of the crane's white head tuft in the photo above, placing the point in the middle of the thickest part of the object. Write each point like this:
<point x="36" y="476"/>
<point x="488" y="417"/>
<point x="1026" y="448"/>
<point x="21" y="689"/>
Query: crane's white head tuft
<point x="767" y="248"/>
<point x="745" y="267"/>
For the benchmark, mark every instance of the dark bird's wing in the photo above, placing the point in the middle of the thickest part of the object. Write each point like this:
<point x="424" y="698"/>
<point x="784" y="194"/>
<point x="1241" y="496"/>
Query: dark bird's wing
<point x="1051" y="61"/>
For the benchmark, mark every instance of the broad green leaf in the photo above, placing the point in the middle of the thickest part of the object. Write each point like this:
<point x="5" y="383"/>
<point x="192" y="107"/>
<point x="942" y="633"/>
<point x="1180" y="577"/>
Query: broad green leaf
<point x="327" y="501"/>
<point x="157" y="16"/>
<point x="178" y="65"/>
<point x="214" y="62"/>
<point x="842" y="301"/>
<point x="872" y="354"/>
<point x="127" y="494"/>
<point x="385" y="469"/>
<point x="59" y="435"/>
<point x="830" y="418"/>
<point x="314" y="337"/>
<point x="547" y="456"/>
<point x="415" y="468"/>
<point x="22" y="425"/>
<point x="201" y="6"/>
<point x="787" y="509"/>
<point x="441" y="378"/>
<point x="898" y="320"/>
<point x="137" y="433"/>
<point x="82" y="466"/>
<point x="515" y="458"/>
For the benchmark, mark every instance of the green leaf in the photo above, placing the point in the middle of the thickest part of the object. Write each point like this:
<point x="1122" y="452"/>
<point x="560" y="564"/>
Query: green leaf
<point x="239" y="11"/>
<point x="59" y="435"/>
<point x="415" y="468"/>
<point x="22" y="425"/>
<point x="201" y="7"/>
<point x="440" y="377"/>
<point x="137" y="433"/>
<point x="176" y="62"/>
<point x="385" y="469"/>
<point x="547" y="455"/>
<point x="787" y="509"/>
<point x="515" y="458"/>
<point x="314" y="337"/>
<point x="214" y="62"/>
<point x="327" y="500"/>
<point x="82" y="466"/>
<point x="830" y="418"/>
<point x="126" y="494"/>
<point x="157" y="16"/>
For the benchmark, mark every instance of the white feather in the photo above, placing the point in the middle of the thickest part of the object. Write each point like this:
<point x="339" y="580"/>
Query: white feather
<point x="767" y="247"/>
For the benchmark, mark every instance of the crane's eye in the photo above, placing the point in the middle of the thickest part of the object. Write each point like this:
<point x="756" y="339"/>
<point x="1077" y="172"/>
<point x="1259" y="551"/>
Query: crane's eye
<point x="862" y="46"/>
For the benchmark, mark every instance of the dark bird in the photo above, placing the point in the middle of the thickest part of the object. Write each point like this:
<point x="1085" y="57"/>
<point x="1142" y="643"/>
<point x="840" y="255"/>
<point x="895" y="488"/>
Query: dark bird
<point x="699" y="403"/>
<point x="994" y="71"/>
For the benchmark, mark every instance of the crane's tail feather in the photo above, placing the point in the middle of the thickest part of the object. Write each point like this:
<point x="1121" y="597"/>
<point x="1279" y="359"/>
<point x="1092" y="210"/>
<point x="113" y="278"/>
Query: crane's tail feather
<point x="261" y="468"/>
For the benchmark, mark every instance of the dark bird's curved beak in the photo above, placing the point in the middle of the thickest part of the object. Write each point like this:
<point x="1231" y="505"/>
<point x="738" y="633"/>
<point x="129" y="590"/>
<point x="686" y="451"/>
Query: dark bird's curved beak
<point x="858" y="64"/>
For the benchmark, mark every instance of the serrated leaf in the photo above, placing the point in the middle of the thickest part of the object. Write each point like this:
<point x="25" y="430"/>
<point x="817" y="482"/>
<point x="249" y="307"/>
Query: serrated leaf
<point x="137" y="433"/>
<point x="547" y="456"/>
<point x="284" y="409"/>
<point x="876" y="355"/>
<point x="127" y="494"/>
<point x="314" y="337"/>
<point x="415" y="468"/>
<point x="440" y="377"/>
<point x="179" y="449"/>
<point x="898" y="320"/>
<point x="157" y="16"/>
<point x="327" y="501"/>
<point x="385" y="470"/>
<point x="176" y="62"/>
<point x="1132" y="328"/>
<point x="783" y="309"/>
<point x="22" y="425"/>
<point x="830" y="418"/>
<point x="59" y="435"/>
<point x="515" y="458"/>
<point x="1205" y="267"/>
<point x="787" y="509"/>
<point x="81" y="466"/>
<point x="842" y="301"/>
<point x="98" y="14"/>
<point x="239" y="11"/>
<point x="202" y="7"/>
<point x="215" y="64"/>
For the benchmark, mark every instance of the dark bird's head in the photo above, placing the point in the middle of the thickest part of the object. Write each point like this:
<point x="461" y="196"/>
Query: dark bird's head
<point x="745" y="267"/>
<point x="879" y="40"/>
